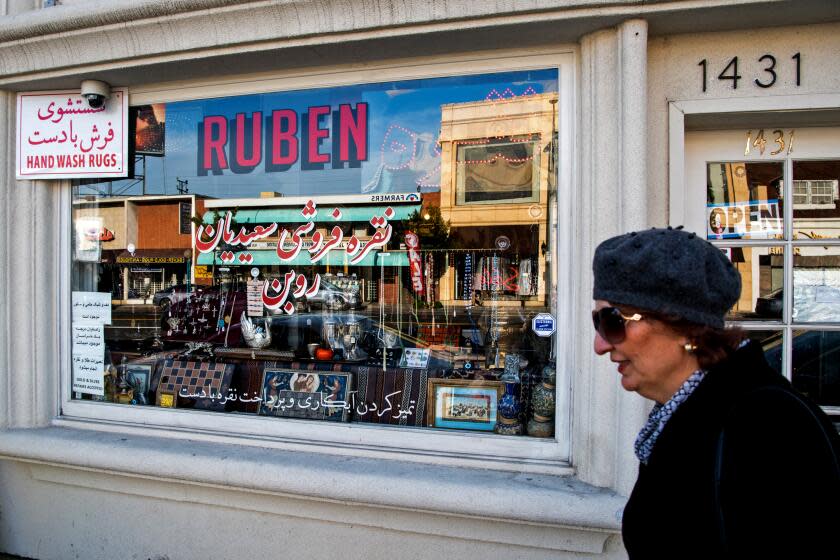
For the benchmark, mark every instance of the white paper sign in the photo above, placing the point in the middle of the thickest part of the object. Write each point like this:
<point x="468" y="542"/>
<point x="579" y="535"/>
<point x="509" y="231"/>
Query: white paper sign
<point x="60" y="137"/>
<point x="88" y="374"/>
<point x="88" y="246"/>
<point x="92" y="307"/>
<point x="255" y="302"/>
<point x="89" y="339"/>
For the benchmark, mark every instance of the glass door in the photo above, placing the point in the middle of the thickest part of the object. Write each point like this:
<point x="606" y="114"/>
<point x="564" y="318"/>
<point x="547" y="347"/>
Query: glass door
<point x="769" y="198"/>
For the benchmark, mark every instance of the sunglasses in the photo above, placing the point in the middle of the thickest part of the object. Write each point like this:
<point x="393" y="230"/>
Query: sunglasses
<point x="611" y="323"/>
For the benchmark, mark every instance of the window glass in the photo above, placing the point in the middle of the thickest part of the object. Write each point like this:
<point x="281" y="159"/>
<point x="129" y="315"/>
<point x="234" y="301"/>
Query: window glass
<point x="816" y="199"/>
<point x="771" y="341"/>
<point x="816" y="284"/>
<point x="788" y="258"/>
<point x="816" y="365"/>
<point x="375" y="253"/>
<point x="762" y="277"/>
<point x="744" y="200"/>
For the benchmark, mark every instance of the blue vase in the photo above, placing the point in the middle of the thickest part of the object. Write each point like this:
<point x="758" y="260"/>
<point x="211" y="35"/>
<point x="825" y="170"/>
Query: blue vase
<point x="509" y="427"/>
<point x="509" y="406"/>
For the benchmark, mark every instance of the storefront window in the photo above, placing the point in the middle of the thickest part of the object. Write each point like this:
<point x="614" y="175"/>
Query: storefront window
<point x="377" y="253"/>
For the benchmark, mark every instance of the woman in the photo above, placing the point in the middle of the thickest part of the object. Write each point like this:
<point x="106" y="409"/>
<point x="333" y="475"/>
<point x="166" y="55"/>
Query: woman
<point x="733" y="462"/>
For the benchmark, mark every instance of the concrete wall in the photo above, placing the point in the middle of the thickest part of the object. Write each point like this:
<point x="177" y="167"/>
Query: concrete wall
<point x="103" y="517"/>
<point x="674" y="75"/>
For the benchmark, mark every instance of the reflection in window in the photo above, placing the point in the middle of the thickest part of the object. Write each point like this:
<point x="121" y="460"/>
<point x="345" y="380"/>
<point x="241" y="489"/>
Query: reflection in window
<point x="492" y="171"/>
<point x="771" y="342"/>
<point x="378" y="259"/>
<point x="745" y="209"/>
<point x="814" y="193"/>
<point x="816" y="365"/>
<point x="744" y="200"/>
<point x="816" y="284"/>
<point x="816" y="199"/>
<point x="762" y="277"/>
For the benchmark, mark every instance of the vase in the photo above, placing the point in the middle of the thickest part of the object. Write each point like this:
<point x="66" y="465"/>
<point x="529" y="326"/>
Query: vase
<point x="540" y="426"/>
<point x="512" y="362"/>
<point x="509" y="406"/>
<point x="549" y="375"/>
<point x="543" y="400"/>
<point x="509" y="427"/>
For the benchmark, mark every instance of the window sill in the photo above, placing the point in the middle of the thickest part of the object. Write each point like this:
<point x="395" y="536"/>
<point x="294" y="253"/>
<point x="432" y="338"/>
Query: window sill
<point x="462" y="448"/>
<point x="506" y="503"/>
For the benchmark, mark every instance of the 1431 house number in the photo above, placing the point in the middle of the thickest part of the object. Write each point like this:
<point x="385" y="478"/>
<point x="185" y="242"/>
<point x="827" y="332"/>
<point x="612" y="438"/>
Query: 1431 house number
<point x="760" y="142"/>
<point x="766" y="75"/>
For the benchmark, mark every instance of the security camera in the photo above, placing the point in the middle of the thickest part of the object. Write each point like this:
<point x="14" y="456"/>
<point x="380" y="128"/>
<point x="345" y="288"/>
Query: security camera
<point x="96" y="93"/>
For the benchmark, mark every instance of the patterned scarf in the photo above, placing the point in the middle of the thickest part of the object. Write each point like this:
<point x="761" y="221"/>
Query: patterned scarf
<point x="660" y="415"/>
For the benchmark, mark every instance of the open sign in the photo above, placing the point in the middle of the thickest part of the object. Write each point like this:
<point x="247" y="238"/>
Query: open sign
<point x="756" y="219"/>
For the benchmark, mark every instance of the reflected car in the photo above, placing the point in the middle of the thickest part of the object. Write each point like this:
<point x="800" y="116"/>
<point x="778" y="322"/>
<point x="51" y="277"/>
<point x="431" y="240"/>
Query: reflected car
<point x="770" y="305"/>
<point x="815" y="363"/>
<point x="175" y="294"/>
<point x="332" y="297"/>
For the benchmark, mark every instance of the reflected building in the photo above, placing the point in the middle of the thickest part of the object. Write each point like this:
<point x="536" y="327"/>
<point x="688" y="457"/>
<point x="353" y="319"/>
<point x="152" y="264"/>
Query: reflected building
<point x="497" y="184"/>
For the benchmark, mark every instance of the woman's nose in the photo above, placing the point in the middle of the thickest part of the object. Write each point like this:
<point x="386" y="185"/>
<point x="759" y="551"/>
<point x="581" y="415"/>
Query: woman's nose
<point x="600" y="345"/>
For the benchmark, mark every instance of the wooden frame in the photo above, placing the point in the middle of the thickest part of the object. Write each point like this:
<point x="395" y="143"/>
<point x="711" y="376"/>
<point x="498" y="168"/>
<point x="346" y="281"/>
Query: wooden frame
<point x="463" y="404"/>
<point x="457" y="447"/>
<point x="142" y="373"/>
<point x="304" y="394"/>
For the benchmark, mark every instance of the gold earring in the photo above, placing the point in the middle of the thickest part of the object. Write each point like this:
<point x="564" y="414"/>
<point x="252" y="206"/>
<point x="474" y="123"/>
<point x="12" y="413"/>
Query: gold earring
<point x="689" y="347"/>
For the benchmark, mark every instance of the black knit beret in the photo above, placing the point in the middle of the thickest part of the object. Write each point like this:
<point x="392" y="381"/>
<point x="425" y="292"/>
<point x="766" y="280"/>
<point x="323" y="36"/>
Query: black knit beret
<point x="669" y="271"/>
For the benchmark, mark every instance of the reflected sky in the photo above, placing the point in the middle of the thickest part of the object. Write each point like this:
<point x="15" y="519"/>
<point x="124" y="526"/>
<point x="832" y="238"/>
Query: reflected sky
<point x="403" y="127"/>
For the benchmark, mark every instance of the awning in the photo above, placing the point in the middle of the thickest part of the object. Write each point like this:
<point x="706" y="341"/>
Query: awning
<point x="152" y="256"/>
<point x="334" y="258"/>
<point x="293" y="215"/>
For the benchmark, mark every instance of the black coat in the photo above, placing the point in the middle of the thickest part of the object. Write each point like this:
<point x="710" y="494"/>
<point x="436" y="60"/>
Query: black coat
<point x="768" y="488"/>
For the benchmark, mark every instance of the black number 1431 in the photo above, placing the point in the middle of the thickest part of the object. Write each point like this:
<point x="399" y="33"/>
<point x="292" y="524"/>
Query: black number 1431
<point x="766" y="78"/>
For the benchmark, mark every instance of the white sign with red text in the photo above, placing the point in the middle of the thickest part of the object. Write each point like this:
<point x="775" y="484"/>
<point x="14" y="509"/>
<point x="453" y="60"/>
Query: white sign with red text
<point x="61" y="137"/>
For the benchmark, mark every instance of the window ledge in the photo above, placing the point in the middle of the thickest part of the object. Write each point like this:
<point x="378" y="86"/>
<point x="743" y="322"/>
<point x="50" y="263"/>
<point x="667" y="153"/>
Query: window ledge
<point x="543" y="502"/>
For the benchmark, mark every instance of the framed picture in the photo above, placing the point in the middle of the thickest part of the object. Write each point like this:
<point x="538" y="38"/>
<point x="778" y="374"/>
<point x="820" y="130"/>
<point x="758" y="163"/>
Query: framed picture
<point x="463" y="404"/>
<point x="415" y="358"/>
<point x="139" y="377"/>
<point x="312" y="395"/>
